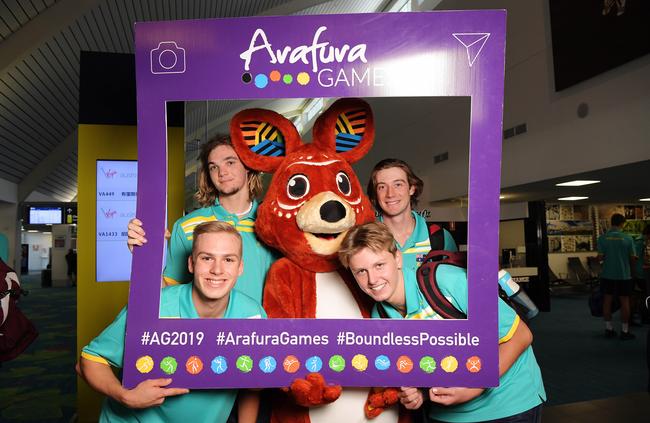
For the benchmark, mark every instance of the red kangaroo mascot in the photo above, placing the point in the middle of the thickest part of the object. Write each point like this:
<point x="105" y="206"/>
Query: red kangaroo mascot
<point x="313" y="199"/>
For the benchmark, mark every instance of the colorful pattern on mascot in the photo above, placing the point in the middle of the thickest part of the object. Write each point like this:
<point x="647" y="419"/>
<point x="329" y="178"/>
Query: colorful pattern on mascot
<point x="313" y="199"/>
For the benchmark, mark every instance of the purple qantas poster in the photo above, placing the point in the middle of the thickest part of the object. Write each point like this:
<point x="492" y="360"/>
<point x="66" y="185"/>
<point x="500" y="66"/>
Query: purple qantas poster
<point x="436" y="54"/>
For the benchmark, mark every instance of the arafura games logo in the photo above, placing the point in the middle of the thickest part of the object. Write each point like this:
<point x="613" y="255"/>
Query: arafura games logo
<point x="321" y="55"/>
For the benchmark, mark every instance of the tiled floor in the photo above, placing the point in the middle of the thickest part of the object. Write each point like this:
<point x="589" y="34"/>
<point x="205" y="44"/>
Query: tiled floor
<point x="630" y="408"/>
<point x="40" y="385"/>
<point x="578" y="363"/>
<point x="569" y="345"/>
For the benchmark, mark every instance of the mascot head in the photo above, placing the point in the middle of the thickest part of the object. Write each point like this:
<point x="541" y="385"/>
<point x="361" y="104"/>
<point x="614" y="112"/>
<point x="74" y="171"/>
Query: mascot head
<point x="314" y="196"/>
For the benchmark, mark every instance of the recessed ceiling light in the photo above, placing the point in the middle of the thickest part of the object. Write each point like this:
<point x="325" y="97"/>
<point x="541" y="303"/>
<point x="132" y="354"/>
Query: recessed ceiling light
<point x="572" y="198"/>
<point x="644" y="199"/>
<point x="501" y="197"/>
<point x="577" y="183"/>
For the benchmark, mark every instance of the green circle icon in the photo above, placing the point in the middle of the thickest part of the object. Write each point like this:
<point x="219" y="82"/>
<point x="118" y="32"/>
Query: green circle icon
<point x="287" y="78"/>
<point x="337" y="363"/>
<point x="244" y="363"/>
<point x="168" y="365"/>
<point x="427" y="364"/>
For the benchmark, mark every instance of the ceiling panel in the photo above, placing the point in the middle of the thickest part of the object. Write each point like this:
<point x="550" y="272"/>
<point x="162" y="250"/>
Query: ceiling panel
<point x="39" y="94"/>
<point x="20" y="149"/>
<point x="14" y="14"/>
<point x="10" y="168"/>
<point x="618" y="184"/>
<point x="344" y="6"/>
<point x="61" y="183"/>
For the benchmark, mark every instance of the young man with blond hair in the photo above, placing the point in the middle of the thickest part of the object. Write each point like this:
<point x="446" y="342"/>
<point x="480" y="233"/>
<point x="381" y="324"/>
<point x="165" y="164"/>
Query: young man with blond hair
<point x="216" y="263"/>
<point x="370" y="252"/>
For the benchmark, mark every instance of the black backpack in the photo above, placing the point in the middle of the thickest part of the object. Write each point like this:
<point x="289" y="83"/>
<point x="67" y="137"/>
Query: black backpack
<point x="426" y="275"/>
<point x="16" y="331"/>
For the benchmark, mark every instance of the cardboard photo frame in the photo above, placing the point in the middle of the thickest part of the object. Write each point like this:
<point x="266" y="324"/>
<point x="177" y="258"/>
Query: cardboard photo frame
<point x="359" y="55"/>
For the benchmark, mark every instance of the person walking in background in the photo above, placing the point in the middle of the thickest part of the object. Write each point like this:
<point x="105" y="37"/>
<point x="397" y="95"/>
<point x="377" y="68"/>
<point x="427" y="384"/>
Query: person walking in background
<point x="616" y="252"/>
<point x="644" y="258"/>
<point x="71" y="261"/>
<point x="639" y="272"/>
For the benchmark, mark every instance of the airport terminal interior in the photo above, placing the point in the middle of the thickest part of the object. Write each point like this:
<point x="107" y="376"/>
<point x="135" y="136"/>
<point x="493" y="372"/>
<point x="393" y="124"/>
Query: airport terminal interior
<point x="575" y="150"/>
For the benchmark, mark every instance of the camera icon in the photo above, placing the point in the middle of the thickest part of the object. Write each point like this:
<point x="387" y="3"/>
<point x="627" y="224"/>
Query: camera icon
<point x="168" y="57"/>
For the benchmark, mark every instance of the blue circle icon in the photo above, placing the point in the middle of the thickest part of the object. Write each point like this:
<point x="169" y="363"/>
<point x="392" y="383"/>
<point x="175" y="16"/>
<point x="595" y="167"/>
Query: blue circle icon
<point x="382" y="362"/>
<point x="219" y="364"/>
<point x="314" y="364"/>
<point x="268" y="364"/>
<point x="261" y="80"/>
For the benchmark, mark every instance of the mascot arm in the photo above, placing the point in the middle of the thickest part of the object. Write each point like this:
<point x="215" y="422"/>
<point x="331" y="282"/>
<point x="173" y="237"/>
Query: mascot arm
<point x="313" y="390"/>
<point x="379" y="399"/>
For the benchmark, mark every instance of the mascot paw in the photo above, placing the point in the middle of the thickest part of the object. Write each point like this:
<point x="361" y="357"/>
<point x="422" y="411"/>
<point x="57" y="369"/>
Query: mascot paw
<point x="379" y="399"/>
<point x="313" y="391"/>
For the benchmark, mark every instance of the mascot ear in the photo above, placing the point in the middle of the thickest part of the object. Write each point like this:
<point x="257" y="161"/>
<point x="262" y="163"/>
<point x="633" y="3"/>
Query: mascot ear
<point x="263" y="138"/>
<point x="347" y="127"/>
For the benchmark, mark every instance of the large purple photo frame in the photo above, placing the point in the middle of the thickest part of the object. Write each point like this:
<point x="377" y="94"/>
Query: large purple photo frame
<point x="388" y="55"/>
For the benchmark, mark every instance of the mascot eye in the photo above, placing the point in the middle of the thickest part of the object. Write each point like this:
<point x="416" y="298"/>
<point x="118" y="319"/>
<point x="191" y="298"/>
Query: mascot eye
<point x="343" y="182"/>
<point x="297" y="187"/>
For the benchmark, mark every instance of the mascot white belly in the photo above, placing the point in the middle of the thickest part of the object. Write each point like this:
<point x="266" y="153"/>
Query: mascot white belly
<point x="334" y="301"/>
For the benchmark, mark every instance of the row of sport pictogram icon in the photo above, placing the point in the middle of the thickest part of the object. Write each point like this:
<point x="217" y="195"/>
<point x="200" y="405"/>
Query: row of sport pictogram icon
<point x="291" y="364"/>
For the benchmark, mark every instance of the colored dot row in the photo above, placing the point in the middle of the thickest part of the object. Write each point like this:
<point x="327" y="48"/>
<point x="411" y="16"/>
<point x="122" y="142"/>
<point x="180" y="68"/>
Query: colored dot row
<point x="261" y="80"/>
<point x="291" y="364"/>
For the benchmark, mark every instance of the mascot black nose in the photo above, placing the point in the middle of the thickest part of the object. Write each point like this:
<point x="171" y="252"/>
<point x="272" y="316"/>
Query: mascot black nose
<point x="332" y="211"/>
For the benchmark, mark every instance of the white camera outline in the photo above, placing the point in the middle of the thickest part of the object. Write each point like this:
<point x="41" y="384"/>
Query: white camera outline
<point x="160" y="53"/>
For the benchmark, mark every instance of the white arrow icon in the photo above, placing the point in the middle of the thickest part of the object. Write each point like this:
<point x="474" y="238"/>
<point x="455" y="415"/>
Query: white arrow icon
<point x="473" y="43"/>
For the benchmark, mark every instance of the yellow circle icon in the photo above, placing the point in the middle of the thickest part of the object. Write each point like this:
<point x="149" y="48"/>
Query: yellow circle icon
<point x="360" y="362"/>
<point x="449" y="364"/>
<point x="303" y="78"/>
<point x="144" y="364"/>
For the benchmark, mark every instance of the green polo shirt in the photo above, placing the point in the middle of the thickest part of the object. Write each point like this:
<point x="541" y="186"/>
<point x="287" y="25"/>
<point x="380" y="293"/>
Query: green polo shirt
<point x="198" y="405"/>
<point x="617" y="248"/>
<point x="520" y="388"/>
<point x="256" y="256"/>
<point x="418" y="245"/>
